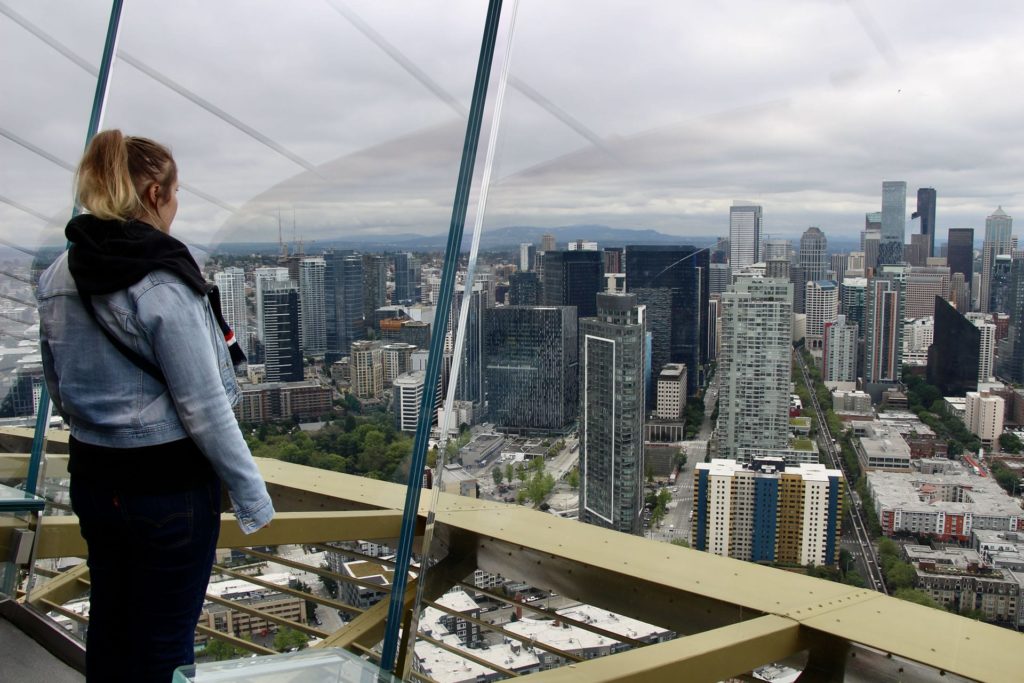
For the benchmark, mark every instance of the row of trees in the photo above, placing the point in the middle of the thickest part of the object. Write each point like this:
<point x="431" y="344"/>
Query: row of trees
<point x="925" y="400"/>
<point x="363" y="445"/>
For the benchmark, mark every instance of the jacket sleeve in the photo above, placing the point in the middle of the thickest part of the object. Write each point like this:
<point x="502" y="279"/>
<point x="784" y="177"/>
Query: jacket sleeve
<point x="178" y="323"/>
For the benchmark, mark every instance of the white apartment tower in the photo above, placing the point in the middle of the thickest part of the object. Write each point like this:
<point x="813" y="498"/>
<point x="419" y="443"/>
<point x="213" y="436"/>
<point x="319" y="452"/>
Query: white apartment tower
<point x="408" y="395"/>
<point x="313" y="306"/>
<point x="744" y="235"/>
<point x="840" y="352"/>
<point x="231" y="283"/>
<point x="821" y="302"/>
<point x="754" y="365"/>
<point x="987" y="346"/>
<point x="983" y="415"/>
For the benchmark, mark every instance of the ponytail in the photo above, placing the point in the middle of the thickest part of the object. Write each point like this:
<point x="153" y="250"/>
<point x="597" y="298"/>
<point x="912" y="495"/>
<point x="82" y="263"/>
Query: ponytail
<point x="116" y="171"/>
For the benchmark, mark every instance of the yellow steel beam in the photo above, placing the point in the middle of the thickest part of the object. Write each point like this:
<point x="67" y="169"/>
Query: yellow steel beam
<point x="60" y="536"/>
<point x="710" y="656"/>
<point x="62" y="588"/>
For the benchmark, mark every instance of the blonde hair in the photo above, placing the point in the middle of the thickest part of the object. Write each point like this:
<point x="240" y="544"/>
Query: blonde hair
<point x="117" y="170"/>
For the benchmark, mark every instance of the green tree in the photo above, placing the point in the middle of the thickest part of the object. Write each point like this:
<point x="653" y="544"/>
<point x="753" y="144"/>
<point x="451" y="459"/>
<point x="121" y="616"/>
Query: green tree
<point x="901" y="575"/>
<point x="220" y="650"/>
<point x="918" y="596"/>
<point x="497" y="476"/>
<point x="509" y="472"/>
<point x="288" y="639"/>
<point x="1010" y="443"/>
<point x="682" y="542"/>
<point x="574" y="479"/>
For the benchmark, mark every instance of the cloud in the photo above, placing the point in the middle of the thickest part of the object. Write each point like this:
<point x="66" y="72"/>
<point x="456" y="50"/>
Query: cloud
<point x="654" y="115"/>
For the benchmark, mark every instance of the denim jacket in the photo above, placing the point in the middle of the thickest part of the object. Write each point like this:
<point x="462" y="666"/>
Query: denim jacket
<point x="109" y="401"/>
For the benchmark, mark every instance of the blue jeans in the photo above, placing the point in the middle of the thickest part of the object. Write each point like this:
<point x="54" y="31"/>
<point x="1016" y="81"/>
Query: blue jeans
<point x="149" y="564"/>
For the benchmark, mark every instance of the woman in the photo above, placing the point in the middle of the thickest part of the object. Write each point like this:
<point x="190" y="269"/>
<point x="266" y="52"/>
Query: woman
<point x="137" y="360"/>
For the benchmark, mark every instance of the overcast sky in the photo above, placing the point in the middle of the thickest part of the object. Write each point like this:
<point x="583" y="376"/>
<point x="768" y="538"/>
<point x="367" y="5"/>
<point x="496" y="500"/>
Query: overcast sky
<point x="351" y="115"/>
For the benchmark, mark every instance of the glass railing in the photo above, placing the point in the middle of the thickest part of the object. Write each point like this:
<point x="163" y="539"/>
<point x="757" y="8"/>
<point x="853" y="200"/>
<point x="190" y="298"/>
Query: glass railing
<point x="321" y="147"/>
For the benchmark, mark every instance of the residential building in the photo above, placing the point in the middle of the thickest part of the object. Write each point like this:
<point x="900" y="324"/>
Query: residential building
<point x="718" y="279"/>
<point x="948" y="504"/>
<point x="984" y="416"/>
<point x="852" y="293"/>
<point x="986" y="346"/>
<point x="671" y="400"/>
<point x="918" y="334"/>
<point x="231" y="284"/>
<point x="270" y="401"/>
<point x="884" y="326"/>
<point x="766" y="512"/>
<point x="612" y="361"/>
<point x="754" y="365"/>
<point x="366" y="365"/>
<point x="282" y="336"/>
<point x="744" y="235"/>
<point x="397" y="359"/>
<point x="822" y="306"/>
<point x="375" y="286"/>
<point x="527" y="254"/>
<point x="854" y="266"/>
<point x="313" y="305"/>
<point x="840" y="352"/>
<point x="408" y="388"/>
<point x="960" y="580"/>
<point x="343" y="300"/>
<point x="531" y="367"/>
<point x="813" y="258"/>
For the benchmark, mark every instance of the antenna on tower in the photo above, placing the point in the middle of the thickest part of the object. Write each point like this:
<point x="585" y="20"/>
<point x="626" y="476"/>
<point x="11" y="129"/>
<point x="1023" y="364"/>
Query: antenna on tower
<point x="295" y="238"/>
<point x="280" y="236"/>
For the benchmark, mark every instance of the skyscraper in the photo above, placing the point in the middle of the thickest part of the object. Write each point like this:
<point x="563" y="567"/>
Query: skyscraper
<point x="960" y="252"/>
<point x="282" y="335"/>
<point x="531" y="366"/>
<point x="612" y="414"/>
<point x="261" y="276"/>
<point x="470" y="386"/>
<point x="954" y="356"/>
<point x="527" y="254"/>
<point x="523" y="289"/>
<point x="852" y="294"/>
<point x="375" y="286"/>
<point x="840" y="353"/>
<point x="894" y="222"/>
<point x="926" y="197"/>
<point x="314" y="309"/>
<point x="231" y="283"/>
<point x="754" y="365"/>
<point x="366" y="365"/>
<point x="744" y="235"/>
<point x="407" y="278"/>
<point x="672" y="282"/>
<point x="822" y="301"/>
<point x="573" y="278"/>
<point x="813" y="260"/>
<point x="998" y="241"/>
<point x="1011" y="351"/>
<point x="884" y="302"/>
<point x="343" y="300"/>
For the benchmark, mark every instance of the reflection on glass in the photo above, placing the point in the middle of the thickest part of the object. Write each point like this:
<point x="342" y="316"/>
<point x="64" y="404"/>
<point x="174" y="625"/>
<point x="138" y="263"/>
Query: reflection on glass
<point x="638" y="153"/>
